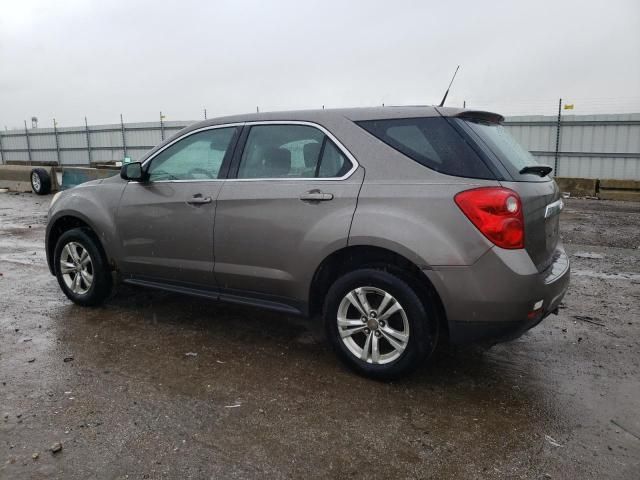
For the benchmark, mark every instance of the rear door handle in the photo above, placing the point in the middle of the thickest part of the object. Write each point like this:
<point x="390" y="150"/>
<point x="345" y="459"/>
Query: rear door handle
<point x="199" y="200"/>
<point x="316" y="196"/>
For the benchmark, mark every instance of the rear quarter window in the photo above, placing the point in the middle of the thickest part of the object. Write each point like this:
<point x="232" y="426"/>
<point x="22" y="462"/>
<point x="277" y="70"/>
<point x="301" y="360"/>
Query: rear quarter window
<point x="432" y="142"/>
<point x="513" y="156"/>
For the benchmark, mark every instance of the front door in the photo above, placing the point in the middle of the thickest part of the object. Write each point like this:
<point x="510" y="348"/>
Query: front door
<point x="166" y="223"/>
<point x="290" y="204"/>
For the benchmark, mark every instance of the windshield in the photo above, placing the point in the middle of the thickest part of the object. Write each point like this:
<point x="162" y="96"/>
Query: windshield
<point x="512" y="155"/>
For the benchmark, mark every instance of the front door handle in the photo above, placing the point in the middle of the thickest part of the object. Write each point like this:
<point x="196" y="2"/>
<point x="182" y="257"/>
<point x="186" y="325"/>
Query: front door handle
<point x="199" y="200"/>
<point x="316" y="196"/>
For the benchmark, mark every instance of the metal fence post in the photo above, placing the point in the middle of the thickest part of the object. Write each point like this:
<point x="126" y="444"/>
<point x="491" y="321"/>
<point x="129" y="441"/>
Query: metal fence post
<point x="124" y="139"/>
<point x="558" y="126"/>
<point x="86" y="130"/>
<point x="55" y="134"/>
<point x="205" y="113"/>
<point x="26" y="134"/>
<point x="161" y="128"/>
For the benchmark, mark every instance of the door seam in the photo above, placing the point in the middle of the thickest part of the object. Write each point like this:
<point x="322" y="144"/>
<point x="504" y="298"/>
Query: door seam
<point x="353" y="215"/>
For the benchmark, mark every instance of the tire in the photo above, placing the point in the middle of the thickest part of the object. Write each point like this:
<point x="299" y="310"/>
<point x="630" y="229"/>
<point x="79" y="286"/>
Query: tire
<point x="414" y="319"/>
<point x="69" y="249"/>
<point x="40" y="181"/>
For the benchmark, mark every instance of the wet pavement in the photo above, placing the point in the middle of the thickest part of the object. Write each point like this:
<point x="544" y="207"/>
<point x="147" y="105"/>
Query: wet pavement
<point x="156" y="385"/>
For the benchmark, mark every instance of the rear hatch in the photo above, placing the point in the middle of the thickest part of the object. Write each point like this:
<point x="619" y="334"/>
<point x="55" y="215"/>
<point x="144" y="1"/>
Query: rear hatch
<point x="541" y="202"/>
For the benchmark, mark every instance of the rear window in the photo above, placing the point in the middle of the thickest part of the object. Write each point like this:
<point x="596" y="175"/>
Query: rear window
<point x="432" y="142"/>
<point x="510" y="153"/>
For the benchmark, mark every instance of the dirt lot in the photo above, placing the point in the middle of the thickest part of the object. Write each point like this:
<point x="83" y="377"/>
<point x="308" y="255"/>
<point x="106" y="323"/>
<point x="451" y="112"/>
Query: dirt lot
<point x="264" y="397"/>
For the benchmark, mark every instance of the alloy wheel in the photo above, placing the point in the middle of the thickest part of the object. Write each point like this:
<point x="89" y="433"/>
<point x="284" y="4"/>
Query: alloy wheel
<point x="76" y="268"/>
<point x="35" y="180"/>
<point x="373" y="325"/>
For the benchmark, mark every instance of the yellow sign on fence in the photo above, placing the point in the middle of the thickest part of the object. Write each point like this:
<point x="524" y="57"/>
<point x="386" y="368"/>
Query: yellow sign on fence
<point x="568" y="106"/>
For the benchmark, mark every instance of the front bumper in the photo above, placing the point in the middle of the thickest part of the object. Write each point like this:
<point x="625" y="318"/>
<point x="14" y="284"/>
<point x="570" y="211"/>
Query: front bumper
<point x="501" y="296"/>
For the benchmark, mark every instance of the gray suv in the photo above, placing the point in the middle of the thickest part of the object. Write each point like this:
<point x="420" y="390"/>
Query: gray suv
<point x="399" y="226"/>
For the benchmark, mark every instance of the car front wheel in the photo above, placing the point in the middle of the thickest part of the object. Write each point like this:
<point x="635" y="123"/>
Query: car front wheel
<point x="377" y="324"/>
<point x="81" y="268"/>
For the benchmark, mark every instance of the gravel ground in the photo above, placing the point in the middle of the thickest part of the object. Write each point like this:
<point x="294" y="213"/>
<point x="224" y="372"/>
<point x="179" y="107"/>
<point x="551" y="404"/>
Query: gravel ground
<point x="156" y="385"/>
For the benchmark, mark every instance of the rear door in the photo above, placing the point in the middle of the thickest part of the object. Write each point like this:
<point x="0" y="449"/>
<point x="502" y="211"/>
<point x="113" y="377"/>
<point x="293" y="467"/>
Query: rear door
<point x="166" y="223"/>
<point x="289" y="204"/>
<point x="541" y="202"/>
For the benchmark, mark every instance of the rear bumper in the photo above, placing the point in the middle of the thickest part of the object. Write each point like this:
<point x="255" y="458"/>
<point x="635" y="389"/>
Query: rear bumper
<point x="501" y="296"/>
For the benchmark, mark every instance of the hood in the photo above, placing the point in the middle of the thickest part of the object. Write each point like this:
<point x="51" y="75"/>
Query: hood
<point x="90" y="183"/>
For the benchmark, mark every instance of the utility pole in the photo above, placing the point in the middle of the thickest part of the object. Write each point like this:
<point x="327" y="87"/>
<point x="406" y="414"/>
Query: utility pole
<point x="558" y="126"/>
<point x="124" y="139"/>
<point x="55" y="135"/>
<point x="1" y="150"/>
<point x="205" y="113"/>
<point x="26" y="133"/>
<point x="86" y="129"/>
<point x="161" y="127"/>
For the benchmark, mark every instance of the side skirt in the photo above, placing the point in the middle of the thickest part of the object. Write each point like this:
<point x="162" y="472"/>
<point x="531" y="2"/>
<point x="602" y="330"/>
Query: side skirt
<point x="228" y="296"/>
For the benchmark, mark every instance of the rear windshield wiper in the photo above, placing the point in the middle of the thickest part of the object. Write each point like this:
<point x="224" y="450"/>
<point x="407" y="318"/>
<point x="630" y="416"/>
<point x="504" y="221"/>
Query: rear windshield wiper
<point x="542" y="170"/>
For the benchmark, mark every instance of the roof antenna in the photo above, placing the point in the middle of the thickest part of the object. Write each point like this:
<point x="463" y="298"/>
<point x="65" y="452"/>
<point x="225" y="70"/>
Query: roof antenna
<point x="450" y="83"/>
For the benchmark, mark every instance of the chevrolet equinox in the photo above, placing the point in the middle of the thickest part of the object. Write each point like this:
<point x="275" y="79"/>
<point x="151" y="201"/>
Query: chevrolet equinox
<point x="398" y="226"/>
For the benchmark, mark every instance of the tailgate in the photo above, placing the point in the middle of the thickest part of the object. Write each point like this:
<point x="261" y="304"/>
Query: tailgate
<point x="541" y="205"/>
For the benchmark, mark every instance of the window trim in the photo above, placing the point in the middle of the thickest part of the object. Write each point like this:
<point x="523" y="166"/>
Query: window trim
<point x="232" y="147"/>
<point x="233" y="171"/>
<point x="320" y="156"/>
<point x="238" y="148"/>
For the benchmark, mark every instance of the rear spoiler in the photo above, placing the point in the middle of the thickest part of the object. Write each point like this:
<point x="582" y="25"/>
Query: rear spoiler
<point x="480" y="115"/>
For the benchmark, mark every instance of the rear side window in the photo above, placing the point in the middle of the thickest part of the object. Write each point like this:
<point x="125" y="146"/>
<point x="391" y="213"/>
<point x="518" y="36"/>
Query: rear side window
<point x="291" y="151"/>
<point x="432" y="142"/>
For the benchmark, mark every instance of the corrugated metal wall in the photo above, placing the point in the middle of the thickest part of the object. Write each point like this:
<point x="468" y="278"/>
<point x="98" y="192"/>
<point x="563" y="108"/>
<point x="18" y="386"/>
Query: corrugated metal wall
<point x="84" y="145"/>
<point x="591" y="146"/>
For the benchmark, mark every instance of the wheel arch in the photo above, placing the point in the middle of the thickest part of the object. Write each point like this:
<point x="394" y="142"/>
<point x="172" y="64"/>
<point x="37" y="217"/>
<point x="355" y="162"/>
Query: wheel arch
<point x="64" y="223"/>
<point x="353" y="257"/>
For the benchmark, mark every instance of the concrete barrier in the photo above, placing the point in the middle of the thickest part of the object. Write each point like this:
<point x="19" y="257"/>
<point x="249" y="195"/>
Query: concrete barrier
<point x="17" y="178"/>
<point x="72" y="176"/>
<point x="578" y="187"/>
<point x="620" y="190"/>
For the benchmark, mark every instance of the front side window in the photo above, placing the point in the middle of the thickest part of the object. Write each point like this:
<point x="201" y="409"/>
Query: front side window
<point x="432" y="142"/>
<point x="196" y="157"/>
<point x="290" y="151"/>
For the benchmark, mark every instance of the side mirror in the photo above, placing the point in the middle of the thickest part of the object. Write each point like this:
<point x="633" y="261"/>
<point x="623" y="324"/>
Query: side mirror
<point x="132" y="171"/>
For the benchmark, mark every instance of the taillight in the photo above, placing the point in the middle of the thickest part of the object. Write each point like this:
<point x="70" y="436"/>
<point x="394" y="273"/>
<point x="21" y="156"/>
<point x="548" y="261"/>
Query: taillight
<point x="496" y="212"/>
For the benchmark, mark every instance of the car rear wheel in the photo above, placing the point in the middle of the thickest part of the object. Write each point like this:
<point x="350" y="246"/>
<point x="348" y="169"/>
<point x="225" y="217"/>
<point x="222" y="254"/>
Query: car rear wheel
<point x="81" y="268"/>
<point x="40" y="181"/>
<point x="377" y="324"/>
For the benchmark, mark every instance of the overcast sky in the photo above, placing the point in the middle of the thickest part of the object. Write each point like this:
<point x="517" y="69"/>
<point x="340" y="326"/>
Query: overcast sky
<point x="71" y="58"/>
